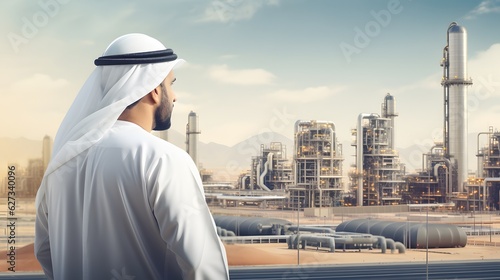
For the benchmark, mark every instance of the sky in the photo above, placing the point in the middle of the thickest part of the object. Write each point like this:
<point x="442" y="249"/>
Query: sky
<point x="257" y="66"/>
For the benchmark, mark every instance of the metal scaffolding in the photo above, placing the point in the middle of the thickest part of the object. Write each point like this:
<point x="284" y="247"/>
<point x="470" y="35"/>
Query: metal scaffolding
<point x="382" y="170"/>
<point x="271" y="170"/>
<point x="317" y="165"/>
<point x="489" y="169"/>
<point x="377" y="179"/>
<point x="433" y="183"/>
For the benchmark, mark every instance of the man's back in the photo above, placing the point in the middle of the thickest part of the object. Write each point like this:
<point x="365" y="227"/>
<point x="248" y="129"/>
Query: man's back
<point x="125" y="199"/>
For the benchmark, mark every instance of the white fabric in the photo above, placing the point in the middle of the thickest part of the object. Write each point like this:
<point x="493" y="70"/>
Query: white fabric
<point x="104" y="96"/>
<point x="70" y="209"/>
<point x="132" y="206"/>
<point x="133" y="43"/>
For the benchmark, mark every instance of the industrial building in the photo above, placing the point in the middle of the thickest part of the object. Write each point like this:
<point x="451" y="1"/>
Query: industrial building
<point x="314" y="178"/>
<point x="317" y="166"/>
<point x="377" y="177"/>
<point x="455" y="84"/>
<point x="486" y="194"/>
<point x="270" y="170"/>
<point x="433" y="183"/>
<point x="444" y="175"/>
<point x="192" y="134"/>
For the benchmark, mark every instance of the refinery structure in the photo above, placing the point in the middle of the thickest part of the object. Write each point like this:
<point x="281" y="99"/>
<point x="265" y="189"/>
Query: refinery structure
<point x="307" y="180"/>
<point x="309" y="174"/>
<point x="312" y="177"/>
<point x="377" y="177"/>
<point x="318" y="166"/>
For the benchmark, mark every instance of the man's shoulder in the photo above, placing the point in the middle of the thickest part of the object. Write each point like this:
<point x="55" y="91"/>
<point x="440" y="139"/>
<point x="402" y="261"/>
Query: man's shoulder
<point x="128" y="136"/>
<point x="162" y="148"/>
<point x="159" y="144"/>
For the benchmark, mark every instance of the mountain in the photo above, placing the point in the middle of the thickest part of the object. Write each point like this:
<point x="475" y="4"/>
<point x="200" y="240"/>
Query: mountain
<point x="411" y="156"/>
<point x="226" y="162"/>
<point x="231" y="160"/>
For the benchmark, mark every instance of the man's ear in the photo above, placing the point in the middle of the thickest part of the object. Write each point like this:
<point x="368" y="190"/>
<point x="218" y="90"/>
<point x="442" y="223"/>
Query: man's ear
<point x="155" y="95"/>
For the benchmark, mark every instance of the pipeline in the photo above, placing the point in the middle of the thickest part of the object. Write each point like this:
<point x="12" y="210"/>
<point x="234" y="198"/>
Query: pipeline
<point x="310" y="229"/>
<point x="391" y="245"/>
<point x="316" y="240"/>
<point x="381" y="243"/>
<point x="243" y="179"/>
<point x="346" y="240"/>
<point x="266" y="168"/>
<point x="291" y="241"/>
<point x="401" y="247"/>
<point x="355" y="241"/>
<point x="224" y="232"/>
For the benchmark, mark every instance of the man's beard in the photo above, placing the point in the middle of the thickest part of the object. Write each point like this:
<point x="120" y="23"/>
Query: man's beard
<point x="163" y="113"/>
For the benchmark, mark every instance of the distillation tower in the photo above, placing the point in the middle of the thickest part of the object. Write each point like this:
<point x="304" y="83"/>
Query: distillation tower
<point x="455" y="83"/>
<point x="377" y="179"/>
<point x="317" y="166"/>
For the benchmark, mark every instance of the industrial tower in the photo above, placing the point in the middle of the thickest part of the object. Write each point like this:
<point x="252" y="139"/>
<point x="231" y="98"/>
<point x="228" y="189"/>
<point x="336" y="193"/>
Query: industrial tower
<point x="377" y="178"/>
<point x="192" y="133"/>
<point x="455" y="83"/>
<point x="317" y="165"/>
<point x="271" y="170"/>
<point x="489" y="172"/>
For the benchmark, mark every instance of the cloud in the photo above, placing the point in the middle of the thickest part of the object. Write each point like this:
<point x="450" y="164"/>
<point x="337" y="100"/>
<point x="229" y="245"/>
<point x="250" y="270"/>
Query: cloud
<point x="429" y="83"/>
<point x="234" y="10"/>
<point x="484" y="94"/>
<point x="485" y="63"/>
<point x="228" y="56"/>
<point x="87" y="42"/>
<point x="35" y="105"/>
<point x="482" y="68"/>
<point x="485" y="7"/>
<point x="38" y="81"/>
<point x="223" y="74"/>
<point x="307" y="95"/>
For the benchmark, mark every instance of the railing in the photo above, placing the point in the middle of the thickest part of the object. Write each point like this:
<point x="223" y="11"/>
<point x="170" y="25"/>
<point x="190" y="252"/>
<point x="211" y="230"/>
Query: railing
<point x="484" y="231"/>
<point x="255" y="239"/>
<point x="482" y="243"/>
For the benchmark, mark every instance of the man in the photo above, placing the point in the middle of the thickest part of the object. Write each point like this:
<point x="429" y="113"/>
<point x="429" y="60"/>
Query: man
<point x="117" y="202"/>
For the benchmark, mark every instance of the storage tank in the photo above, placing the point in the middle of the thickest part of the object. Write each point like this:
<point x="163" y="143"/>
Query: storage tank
<point x="413" y="235"/>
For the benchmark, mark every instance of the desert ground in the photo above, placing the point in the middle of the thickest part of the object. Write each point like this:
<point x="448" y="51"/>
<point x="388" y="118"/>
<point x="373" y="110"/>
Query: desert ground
<point x="279" y="254"/>
<point x="478" y="247"/>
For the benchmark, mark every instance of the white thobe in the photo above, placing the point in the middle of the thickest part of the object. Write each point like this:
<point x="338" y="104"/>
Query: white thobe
<point x="130" y="207"/>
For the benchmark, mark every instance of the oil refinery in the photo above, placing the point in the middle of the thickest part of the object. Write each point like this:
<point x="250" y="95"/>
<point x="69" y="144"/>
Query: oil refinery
<point x="312" y="177"/>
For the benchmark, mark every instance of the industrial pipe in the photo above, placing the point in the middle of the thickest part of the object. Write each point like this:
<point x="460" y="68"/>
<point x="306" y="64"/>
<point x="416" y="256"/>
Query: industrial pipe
<point x="266" y="168"/>
<point x="311" y="229"/>
<point x="401" y="247"/>
<point x="318" y="240"/>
